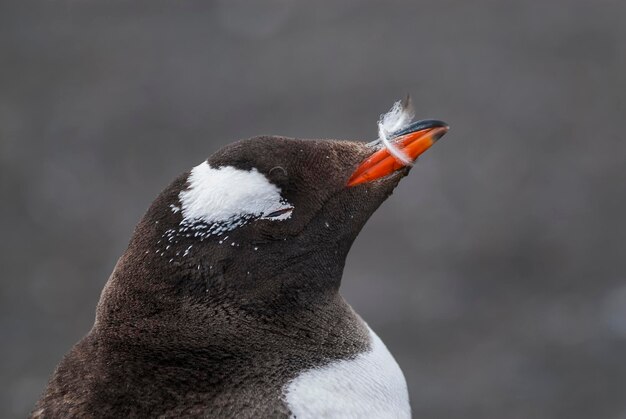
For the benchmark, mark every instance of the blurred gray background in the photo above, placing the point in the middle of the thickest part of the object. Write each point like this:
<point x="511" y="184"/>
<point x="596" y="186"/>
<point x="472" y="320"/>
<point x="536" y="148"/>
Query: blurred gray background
<point x="496" y="274"/>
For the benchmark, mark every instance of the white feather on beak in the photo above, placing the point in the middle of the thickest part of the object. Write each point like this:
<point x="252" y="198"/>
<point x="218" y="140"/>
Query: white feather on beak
<point x="399" y="117"/>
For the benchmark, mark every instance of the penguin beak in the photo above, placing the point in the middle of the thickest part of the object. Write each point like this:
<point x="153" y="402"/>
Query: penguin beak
<point x="412" y="141"/>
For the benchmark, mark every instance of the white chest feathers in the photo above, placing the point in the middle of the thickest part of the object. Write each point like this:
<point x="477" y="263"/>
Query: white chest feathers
<point x="371" y="385"/>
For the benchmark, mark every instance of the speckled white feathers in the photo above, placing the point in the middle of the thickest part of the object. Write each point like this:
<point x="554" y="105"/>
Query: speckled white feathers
<point x="226" y="193"/>
<point x="369" y="386"/>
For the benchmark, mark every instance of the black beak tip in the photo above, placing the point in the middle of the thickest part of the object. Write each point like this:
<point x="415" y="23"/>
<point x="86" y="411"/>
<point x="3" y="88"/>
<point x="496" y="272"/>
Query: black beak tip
<point x="440" y="133"/>
<point x="421" y="125"/>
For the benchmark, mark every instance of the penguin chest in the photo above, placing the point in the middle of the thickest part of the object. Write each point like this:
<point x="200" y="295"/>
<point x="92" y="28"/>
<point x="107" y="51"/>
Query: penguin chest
<point x="370" y="385"/>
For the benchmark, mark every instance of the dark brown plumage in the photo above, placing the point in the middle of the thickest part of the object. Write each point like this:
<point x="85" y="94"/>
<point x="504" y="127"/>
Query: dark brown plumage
<point x="219" y="332"/>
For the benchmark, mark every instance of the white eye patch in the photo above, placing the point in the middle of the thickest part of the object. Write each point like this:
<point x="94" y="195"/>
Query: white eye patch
<point x="227" y="195"/>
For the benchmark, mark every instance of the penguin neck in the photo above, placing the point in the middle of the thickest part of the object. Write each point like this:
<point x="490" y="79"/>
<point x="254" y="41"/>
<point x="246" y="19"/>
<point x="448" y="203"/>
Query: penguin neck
<point x="214" y="299"/>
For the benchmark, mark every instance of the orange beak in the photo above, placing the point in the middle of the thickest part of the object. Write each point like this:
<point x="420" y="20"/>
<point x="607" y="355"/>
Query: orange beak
<point x="412" y="141"/>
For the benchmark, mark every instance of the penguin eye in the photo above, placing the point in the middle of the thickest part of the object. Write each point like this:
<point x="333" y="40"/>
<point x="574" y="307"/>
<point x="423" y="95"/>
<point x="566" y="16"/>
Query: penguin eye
<point x="276" y="214"/>
<point x="277" y="172"/>
<point x="229" y="197"/>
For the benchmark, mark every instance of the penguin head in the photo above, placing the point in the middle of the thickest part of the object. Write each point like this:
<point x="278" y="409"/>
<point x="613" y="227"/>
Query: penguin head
<point x="265" y="219"/>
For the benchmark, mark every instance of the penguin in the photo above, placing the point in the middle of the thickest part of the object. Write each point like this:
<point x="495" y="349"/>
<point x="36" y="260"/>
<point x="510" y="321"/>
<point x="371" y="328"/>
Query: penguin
<point x="226" y="302"/>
